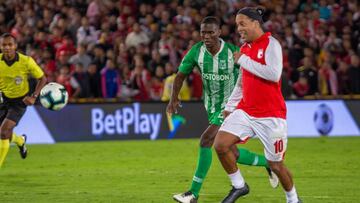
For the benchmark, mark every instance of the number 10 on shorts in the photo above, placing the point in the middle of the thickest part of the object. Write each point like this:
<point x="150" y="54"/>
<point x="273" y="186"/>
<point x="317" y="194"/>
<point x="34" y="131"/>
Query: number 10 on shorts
<point x="279" y="146"/>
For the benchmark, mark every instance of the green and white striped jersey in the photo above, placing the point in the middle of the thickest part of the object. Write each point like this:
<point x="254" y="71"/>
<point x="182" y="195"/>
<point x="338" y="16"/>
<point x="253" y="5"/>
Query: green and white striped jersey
<point x="219" y="72"/>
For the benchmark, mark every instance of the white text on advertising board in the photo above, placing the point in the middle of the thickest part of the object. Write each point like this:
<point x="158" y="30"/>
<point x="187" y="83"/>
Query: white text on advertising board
<point x="121" y="121"/>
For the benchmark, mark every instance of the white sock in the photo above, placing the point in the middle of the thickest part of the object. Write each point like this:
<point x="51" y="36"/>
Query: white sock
<point x="291" y="196"/>
<point x="237" y="180"/>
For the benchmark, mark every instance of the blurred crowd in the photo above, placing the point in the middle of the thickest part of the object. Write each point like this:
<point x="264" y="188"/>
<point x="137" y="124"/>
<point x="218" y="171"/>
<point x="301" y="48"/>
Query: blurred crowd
<point x="130" y="49"/>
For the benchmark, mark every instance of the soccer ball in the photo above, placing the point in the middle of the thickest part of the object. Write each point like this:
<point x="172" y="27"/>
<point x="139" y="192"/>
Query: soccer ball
<point x="53" y="96"/>
<point x="324" y="119"/>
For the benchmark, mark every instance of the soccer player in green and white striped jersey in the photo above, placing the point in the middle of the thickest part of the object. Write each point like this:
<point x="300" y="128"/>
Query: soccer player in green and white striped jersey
<point x="214" y="59"/>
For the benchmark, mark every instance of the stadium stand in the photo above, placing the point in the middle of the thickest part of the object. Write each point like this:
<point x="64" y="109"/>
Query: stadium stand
<point x="81" y="43"/>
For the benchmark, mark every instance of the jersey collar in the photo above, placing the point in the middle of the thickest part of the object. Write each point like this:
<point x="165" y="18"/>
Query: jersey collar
<point x="221" y="48"/>
<point x="11" y="62"/>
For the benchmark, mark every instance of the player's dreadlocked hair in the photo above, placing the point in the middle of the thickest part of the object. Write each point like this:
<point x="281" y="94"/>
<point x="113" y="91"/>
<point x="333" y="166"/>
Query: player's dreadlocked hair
<point x="254" y="13"/>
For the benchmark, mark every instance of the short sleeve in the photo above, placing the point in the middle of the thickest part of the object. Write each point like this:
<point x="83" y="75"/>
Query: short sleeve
<point x="234" y="49"/>
<point x="188" y="63"/>
<point x="34" y="69"/>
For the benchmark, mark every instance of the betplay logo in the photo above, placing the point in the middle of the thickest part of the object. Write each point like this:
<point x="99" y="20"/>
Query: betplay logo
<point x="124" y="121"/>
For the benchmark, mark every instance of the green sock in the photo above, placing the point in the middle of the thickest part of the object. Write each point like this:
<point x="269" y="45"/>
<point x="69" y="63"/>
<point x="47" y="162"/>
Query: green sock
<point x="249" y="158"/>
<point x="204" y="163"/>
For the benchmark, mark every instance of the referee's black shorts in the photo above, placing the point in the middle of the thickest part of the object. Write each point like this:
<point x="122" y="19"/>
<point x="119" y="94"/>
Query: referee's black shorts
<point x="12" y="109"/>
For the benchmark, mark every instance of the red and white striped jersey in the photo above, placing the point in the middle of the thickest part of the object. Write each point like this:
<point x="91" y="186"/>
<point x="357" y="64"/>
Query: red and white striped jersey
<point x="258" y="92"/>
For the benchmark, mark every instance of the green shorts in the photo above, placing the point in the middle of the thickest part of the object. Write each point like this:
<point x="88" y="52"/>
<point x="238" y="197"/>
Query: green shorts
<point x="216" y="118"/>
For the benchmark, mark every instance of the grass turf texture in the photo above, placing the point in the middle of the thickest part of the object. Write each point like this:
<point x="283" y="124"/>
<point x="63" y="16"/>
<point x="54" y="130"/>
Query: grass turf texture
<point x="325" y="170"/>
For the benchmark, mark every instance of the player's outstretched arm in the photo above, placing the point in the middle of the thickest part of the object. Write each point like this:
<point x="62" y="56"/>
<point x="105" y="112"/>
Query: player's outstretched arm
<point x="174" y="98"/>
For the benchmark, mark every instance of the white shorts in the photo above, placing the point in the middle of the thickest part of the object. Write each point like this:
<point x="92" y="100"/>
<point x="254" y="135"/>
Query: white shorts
<point x="271" y="131"/>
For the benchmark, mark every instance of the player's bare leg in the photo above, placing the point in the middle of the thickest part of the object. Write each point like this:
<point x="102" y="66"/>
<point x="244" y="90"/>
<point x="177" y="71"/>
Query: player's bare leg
<point x="283" y="173"/>
<point x="208" y="137"/>
<point x="286" y="180"/>
<point x="224" y="143"/>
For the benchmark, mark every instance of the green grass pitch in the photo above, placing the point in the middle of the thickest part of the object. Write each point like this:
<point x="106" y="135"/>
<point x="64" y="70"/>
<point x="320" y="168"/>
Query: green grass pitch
<point x="324" y="170"/>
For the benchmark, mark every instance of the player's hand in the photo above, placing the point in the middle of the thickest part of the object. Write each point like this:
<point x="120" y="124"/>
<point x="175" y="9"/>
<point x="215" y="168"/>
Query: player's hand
<point x="29" y="100"/>
<point x="237" y="55"/>
<point x="226" y="113"/>
<point x="172" y="106"/>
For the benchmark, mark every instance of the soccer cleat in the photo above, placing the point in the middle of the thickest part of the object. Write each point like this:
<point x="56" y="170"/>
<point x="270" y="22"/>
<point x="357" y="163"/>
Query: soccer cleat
<point x="186" y="197"/>
<point x="273" y="179"/>
<point x="234" y="194"/>
<point x="22" y="148"/>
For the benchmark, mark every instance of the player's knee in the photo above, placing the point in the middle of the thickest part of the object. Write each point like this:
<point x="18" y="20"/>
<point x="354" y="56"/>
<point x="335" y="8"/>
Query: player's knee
<point x="5" y="133"/>
<point x="235" y="151"/>
<point x="206" y="142"/>
<point x="221" y="147"/>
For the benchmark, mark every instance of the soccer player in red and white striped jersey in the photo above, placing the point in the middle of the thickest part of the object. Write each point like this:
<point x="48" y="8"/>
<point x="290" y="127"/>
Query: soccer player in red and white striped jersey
<point x="261" y="109"/>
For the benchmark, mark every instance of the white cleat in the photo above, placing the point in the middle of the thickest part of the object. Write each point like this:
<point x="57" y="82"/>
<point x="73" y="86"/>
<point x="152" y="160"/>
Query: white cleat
<point x="186" y="197"/>
<point x="273" y="179"/>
